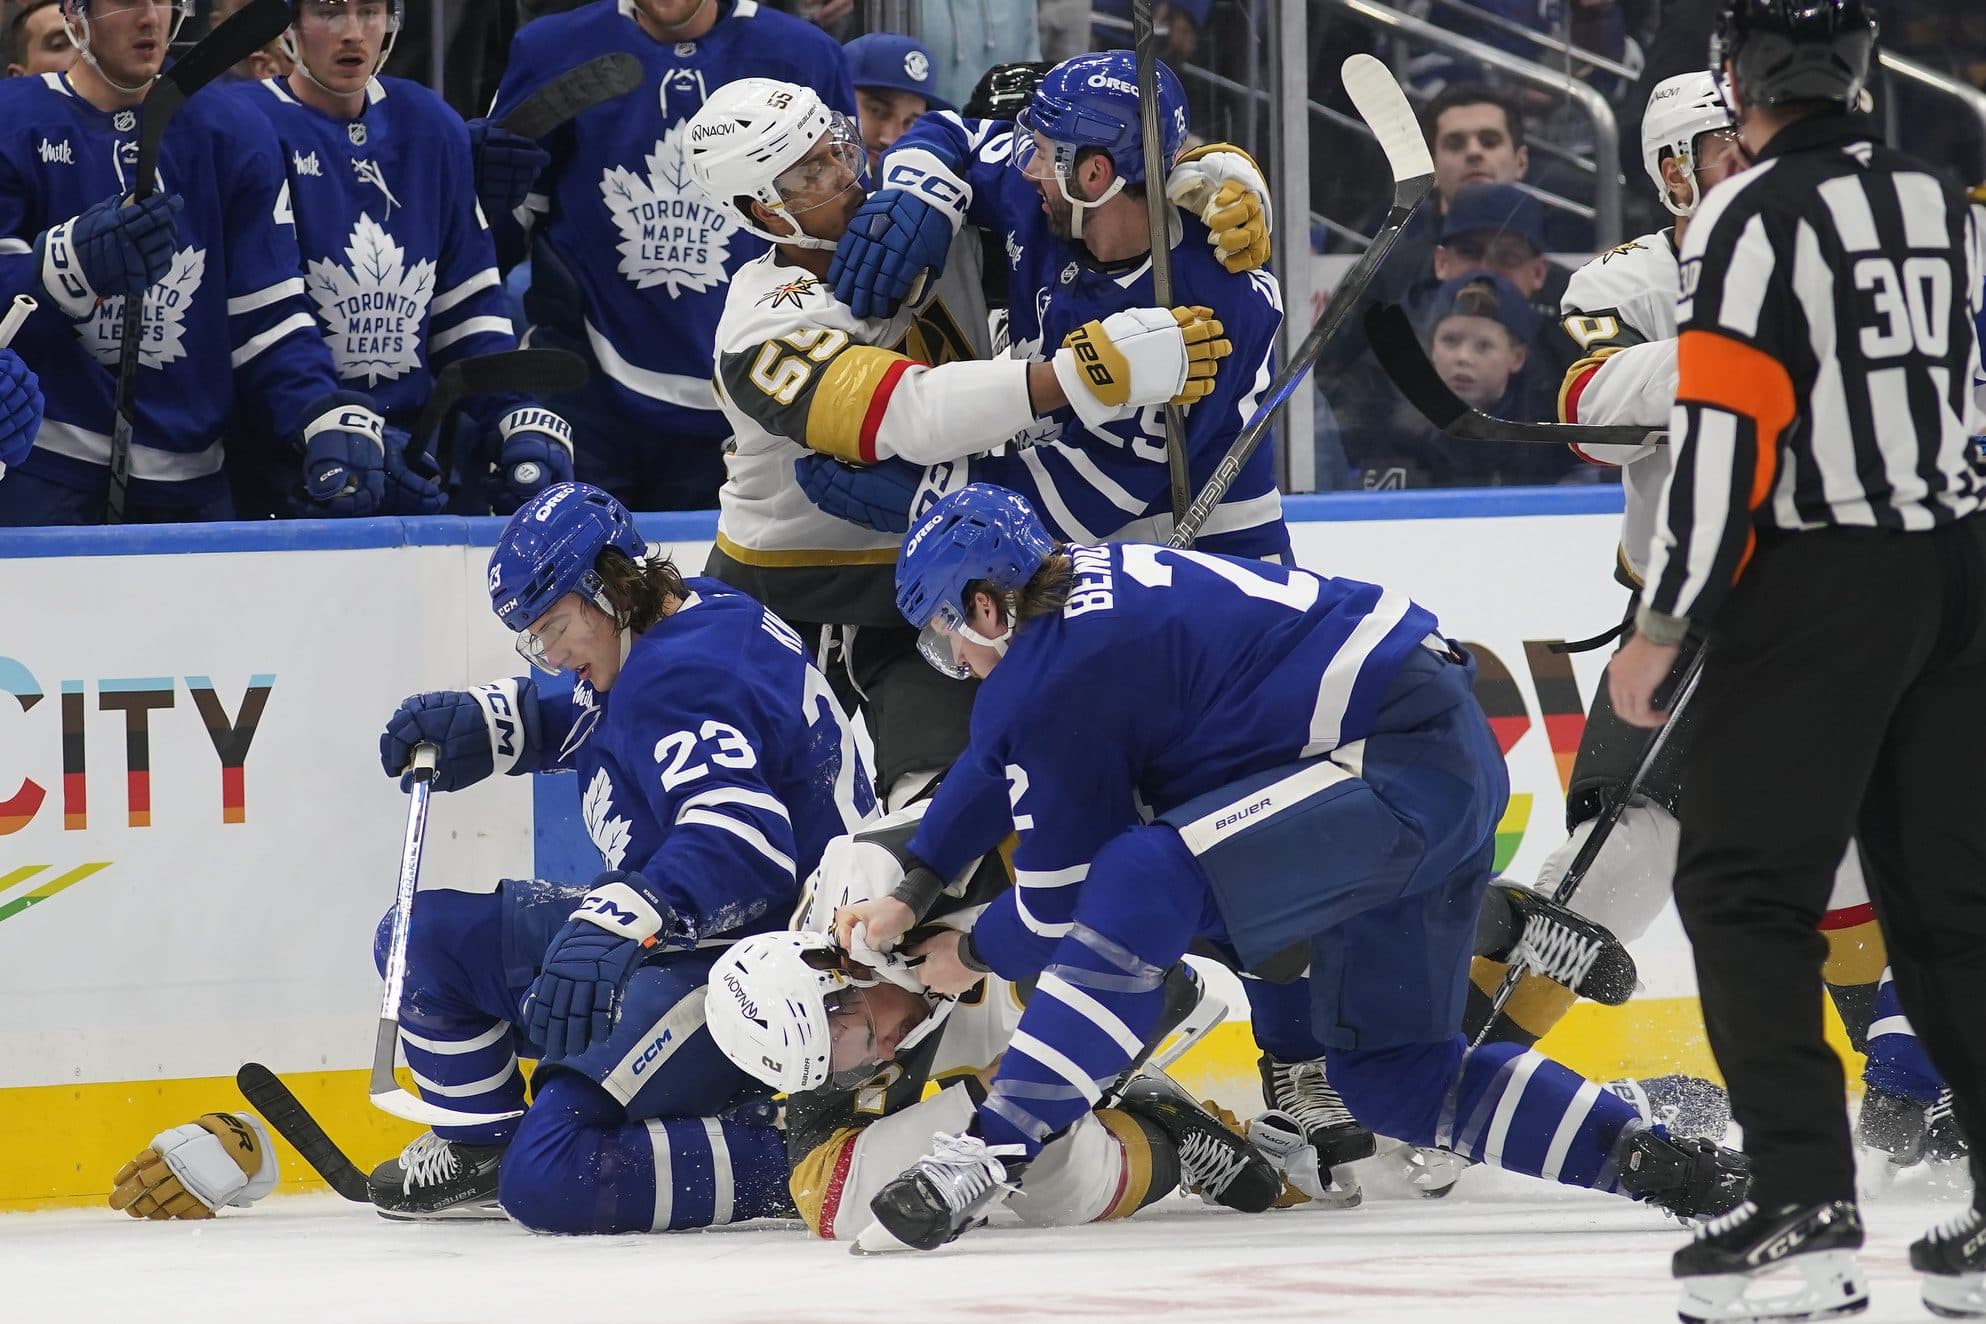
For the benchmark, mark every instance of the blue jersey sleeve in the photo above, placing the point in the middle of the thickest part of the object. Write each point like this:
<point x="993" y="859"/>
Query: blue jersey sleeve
<point x="977" y="151"/>
<point x="530" y="68"/>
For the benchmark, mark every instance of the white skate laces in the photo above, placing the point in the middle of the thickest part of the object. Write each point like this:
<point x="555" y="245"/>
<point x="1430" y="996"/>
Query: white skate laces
<point x="1209" y="1166"/>
<point x="1727" y="1220"/>
<point x="429" y="1161"/>
<point x="1556" y="952"/>
<point x="963" y="1170"/>
<point x="1303" y="1092"/>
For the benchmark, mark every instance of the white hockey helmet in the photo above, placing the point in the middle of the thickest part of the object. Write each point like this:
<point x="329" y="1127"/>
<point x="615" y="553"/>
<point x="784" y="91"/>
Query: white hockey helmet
<point x="747" y="142"/>
<point x="1679" y="109"/>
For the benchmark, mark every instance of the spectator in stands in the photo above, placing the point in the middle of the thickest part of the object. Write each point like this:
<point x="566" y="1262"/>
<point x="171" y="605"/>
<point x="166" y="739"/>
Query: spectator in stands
<point x="1065" y="28"/>
<point x="37" y="43"/>
<point x="893" y="86"/>
<point x="1181" y="22"/>
<point x="966" y="36"/>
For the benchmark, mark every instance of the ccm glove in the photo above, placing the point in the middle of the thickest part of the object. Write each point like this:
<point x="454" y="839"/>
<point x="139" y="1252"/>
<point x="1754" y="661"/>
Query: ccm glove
<point x="875" y="496"/>
<point x="193" y="1170"/>
<point x="577" y="996"/>
<point x="534" y="450"/>
<point x="109" y="250"/>
<point x="901" y="236"/>
<point x="1222" y="185"/>
<point x="344" y="456"/>
<point x="1142" y="356"/>
<point x="506" y="166"/>
<point x="492" y="728"/>
<point x="20" y="409"/>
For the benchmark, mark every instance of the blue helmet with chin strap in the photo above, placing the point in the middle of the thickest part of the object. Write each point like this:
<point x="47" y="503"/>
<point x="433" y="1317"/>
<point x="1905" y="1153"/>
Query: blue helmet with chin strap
<point x="980" y="532"/>
<point x="1092" y="101"/>
<point x="549" y="549"/>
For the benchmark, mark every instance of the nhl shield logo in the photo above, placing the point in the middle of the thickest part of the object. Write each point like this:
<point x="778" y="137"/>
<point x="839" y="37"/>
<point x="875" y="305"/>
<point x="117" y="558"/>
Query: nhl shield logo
<point x="917" y="66"/>
<point x="124" y="121"/>
<point x="356" y="132"/>
<point x="1069" y="273"/>
<point x="685" y="49"/>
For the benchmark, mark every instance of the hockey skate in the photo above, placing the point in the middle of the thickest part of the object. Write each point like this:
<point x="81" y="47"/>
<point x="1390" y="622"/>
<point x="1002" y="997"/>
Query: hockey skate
<point x="1302" y="1091"/>
<point x="944" y="1193"/>
<point x="1687" y="1106"/>
<point x="1952" y="1258"/>
<point x="1688" y="1178"/>
<point x="1944" y="1138"/>
<point x="1796" y="1262"/>
<point x="436" y="1179"/>
<point x="1305" y="1181"/>
<point x="1565" y="947"/>
<point x="1214" y="1163"/>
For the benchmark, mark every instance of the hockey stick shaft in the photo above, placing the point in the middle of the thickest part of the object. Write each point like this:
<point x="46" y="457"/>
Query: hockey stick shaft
<point x="239" y="36"/>
<point x="1385" y="109"/>
<point x="536" y="372"/>
<point x="1603" y="827"/>
<point x="280" y="1107"/>
<point x="17" y="314"/>
<point x="1145" y="39"/>
<point x="594" y="83"/>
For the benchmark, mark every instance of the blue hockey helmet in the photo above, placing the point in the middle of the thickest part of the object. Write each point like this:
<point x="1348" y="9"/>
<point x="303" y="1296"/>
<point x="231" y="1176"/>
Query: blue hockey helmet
<point x="549" y="549"/>
<point x="980" y="532"/>
<point x="1092" y="101"/>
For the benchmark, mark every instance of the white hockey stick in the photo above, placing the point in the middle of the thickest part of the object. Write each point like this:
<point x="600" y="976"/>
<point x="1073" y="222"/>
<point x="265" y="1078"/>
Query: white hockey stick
<point x="23" y="306"/>
<point x="387" y="1096"/>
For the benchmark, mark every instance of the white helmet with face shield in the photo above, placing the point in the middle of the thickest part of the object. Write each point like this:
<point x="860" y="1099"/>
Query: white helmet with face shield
<point x="1680" y="110"/>
<point x="777" y="144"/>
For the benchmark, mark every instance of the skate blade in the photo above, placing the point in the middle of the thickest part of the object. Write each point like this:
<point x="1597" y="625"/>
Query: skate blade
<point x="876" y="1239"/>
<point x="1824" y="1285"/>
<point x="1955" y="1295"/>
<point x="472" y="1213"/>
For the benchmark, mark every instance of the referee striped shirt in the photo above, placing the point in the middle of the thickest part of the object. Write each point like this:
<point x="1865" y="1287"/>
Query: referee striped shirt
<point x="1826" y="357"/>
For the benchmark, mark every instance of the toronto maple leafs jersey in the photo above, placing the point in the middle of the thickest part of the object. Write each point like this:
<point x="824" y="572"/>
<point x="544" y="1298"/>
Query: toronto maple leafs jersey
<point x="1217" y="667"/>
<point x="618" y="212"/>
<point x="1620" y="309"/>
<point x="1113" y="483"/>
<point x="397" y="258"/>
<point x="228" y="320"/>
<point x="718" y="766"/>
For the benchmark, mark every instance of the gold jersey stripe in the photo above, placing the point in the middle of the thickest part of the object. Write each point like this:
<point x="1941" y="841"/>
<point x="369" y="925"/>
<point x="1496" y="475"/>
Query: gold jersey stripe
<point x="802" y="556"/>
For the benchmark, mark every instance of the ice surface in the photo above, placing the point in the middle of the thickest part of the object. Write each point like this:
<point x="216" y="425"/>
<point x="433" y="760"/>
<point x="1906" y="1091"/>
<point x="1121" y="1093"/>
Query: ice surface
<point x="1500" y="1250"/>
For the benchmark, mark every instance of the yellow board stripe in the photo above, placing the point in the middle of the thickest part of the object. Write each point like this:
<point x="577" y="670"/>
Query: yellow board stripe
<point x="49" y="888"/>
<point x="19" y="875"/>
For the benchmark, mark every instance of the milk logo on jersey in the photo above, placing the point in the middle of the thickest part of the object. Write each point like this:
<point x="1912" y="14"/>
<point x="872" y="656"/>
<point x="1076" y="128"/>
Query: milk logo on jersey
<point x="57" y="153"/>
<point x="671" y="235"/>
<point x="596" y="809"/>
<point x="306" y="165"/>
<point x="373" y="309"/>
<point x="162" y="339"/>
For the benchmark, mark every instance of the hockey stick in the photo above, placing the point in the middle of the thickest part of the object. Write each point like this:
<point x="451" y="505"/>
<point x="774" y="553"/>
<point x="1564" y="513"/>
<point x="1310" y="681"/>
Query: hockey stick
<point x="246" y="31"/>
<point x="17" y="313"/>
<point x="268" y="1095"/>
<point x="1400" y="355"/>
<point x="1384" y="108"/>
<point x="536" y="372"/>
<point x="1145" y="39"/>
<point x="1589" y="850"/>
<point x="577" y="90"/>
<point x="386" y="1093"/>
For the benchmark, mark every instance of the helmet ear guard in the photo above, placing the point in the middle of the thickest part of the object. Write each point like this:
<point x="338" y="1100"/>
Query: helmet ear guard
<point x="76" y="26"/>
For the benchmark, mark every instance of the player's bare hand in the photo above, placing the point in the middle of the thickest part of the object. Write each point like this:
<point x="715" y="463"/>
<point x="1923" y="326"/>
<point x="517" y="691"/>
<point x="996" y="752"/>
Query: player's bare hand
<point x="942" y="971"/>
<point x="883" y="921"/>
<point x="1633" y="677"/>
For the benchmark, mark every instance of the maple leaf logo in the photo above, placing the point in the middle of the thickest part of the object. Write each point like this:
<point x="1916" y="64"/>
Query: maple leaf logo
<point x="609" y="834"/>
<point x="373" y="309"/>
<point x="671" y="235"/>
<point x="162" y="339"/>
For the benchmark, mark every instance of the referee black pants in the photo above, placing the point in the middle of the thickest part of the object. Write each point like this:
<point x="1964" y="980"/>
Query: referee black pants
<point x="1845" y="694"/>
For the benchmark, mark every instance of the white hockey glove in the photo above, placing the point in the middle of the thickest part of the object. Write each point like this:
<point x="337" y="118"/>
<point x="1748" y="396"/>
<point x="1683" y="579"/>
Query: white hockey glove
<point x="1141" y="356"/>
<point x="1222" y="185"/>
<point x="193" y="1170"/>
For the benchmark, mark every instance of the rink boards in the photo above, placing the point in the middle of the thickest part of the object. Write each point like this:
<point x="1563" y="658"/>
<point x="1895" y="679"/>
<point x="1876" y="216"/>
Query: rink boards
<point x="196" y="840"/>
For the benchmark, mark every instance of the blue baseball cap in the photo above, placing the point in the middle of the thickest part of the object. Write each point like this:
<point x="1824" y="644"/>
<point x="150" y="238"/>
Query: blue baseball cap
<point x="1480" y="294"/>
<point x="901" y="64"/>
<point x="1495" y="207"/>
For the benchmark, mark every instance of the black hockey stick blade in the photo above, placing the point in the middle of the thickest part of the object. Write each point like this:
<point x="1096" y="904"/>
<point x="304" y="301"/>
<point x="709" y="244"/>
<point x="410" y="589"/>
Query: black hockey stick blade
<point x="1401" y="357"/>
<point x="598" y="81"/>
<point x="240" y="36"/>
<point x="535" y="372"/>
<point x="268" y="1095"/>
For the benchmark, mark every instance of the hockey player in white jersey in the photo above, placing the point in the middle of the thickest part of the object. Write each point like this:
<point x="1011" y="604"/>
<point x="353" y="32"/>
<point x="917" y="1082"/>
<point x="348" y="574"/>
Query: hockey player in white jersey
<point x="214" y="254"/>
<point x="797" y="371"/>
<point x="397" y="256"/>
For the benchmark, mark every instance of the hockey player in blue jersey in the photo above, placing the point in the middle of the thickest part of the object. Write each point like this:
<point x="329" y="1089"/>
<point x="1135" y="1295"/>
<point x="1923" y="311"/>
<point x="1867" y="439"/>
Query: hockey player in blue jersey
<point x="397" y="258"/>
<point x="629" y="258"/>
<point x="214" y="251"/>
<point x="20" y="409"/>
<point x="1064" y="188"/>
<point x="1318" y="777"/>
<point x="715" y="766"/>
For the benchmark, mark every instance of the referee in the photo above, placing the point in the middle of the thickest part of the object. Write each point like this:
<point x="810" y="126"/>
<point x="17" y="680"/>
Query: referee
<point x="1822" y="526"/>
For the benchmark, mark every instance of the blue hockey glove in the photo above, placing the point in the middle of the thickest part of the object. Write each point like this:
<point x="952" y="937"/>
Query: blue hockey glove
<point x="506" y="166"/>
<point x="577" y="995"/>
<point x="20" y="409"/>
<point x="534" y="450"/>
<point x="107" y="251"/>
<point x="876" y="496"/>
<point x="410" y="489"/>
<point x="492" y="728"/>
<point x="903" y="232"/>
<point x="344" y="455"/>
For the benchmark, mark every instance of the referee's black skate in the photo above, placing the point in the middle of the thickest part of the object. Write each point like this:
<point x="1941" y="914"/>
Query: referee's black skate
<point x="1952" y="1258"/>
<point x="1688" y="1178"/>
<point x="1795" y="1262"/>
<point x="939" y="1197"/>
<point x="1565" y="947"/>
<point x="1302" y="1090"/>
<point x="1214" y="1162"/>
<point x="435" y="1179"/>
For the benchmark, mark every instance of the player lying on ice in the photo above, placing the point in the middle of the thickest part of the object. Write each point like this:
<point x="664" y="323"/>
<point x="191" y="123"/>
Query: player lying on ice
<point x="1320" y="776"/>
